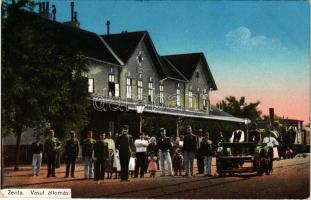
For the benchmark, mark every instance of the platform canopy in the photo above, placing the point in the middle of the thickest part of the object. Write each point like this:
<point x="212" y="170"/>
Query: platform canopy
<point x="215" y="113"/>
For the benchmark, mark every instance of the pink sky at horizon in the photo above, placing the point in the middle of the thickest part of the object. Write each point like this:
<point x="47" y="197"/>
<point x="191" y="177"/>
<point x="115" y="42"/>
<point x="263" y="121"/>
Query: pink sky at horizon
<point x="284" y="105"/>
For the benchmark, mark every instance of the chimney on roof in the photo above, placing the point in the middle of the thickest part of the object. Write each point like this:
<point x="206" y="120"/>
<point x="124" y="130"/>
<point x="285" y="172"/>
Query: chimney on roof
<point x="108" y="27"/>
<point x="74" y="21"/>
<point x="75" y="18"/>
<point x="47" y="9"/>
<point x="271" y="115"/>
<point x="72" y="5"/>
<point x="54" y="12"/>
<point x="40" y="7"/>
<point x="44" y="10"/>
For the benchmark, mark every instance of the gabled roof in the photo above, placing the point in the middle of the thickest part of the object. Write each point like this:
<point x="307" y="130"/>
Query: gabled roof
<point x="124" y="44"/>
<point x="187" y="64"/>
<point x="170" y="71"/>
<point x="87" y="42"/>
<point x="117" y="49"/>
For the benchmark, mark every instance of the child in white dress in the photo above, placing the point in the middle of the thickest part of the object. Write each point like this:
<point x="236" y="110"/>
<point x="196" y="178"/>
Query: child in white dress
<point x="132" y="164"/>
<point x="116" y="163"/>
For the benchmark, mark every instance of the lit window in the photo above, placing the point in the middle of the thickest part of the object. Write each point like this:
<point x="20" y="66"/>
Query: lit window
<point x="117" y="90"/>
<point x="128" y="88"/>
<point x="150" y="92"/>
<point x="178" y="97"/>
<point x="161" y="94"/>
<point x="111" y="78"/>
<point x="204" y="98"/>
<point x="140" y="90"/>
<point x="111" y="85"/>
<point x="84" y="74"/>
<point x="190" y="99"/>
<point x="91" y="85"/>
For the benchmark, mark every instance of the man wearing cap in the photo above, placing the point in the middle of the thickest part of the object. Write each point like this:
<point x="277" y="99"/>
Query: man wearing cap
<point x="124" y="145"/>
<point x="51" y="145"/>
<point x="37" y="149"/>
<point x="200" y="160"/>
<point x="164" y="146"/>
<point x="189" y="149"/>
<point x="87" y="155"/>
<point x="141" y="154"/>
<point x="207" y="153"/>
<point x="100" y="156"/>
<point x="72" y="148"/>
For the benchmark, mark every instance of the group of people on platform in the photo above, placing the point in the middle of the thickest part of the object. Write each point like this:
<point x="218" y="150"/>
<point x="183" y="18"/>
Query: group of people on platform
<point x="123" y="155"/>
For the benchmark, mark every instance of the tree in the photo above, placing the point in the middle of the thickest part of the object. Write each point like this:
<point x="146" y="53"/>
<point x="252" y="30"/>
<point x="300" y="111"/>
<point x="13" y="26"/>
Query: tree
<point x="239" y="108"/>
<point x="42" y="77"/>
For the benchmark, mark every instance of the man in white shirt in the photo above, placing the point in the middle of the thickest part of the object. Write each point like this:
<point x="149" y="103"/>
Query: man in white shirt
<point x="237" y="136"/>
<point x="269" y="140"/>
<point x="110" y="141"/>
<point x="141" y="155"/>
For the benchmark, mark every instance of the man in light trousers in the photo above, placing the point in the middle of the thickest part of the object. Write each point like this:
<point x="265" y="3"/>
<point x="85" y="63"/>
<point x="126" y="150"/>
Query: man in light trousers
<point x="87" y="155"/>
<point x="164" y="145"/>
<point x="189" y="148"/>
<point x="207" y="153"/>
<point x="37" y="149"/>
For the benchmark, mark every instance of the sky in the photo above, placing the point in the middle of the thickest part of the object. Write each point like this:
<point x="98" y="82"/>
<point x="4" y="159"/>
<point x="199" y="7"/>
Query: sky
<point x="256" y="49"/>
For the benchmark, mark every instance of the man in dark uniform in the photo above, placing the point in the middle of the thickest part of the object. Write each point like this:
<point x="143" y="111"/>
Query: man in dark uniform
<point x="52" y="144"/>
<point x="72" y="148"/>
<point x="200" y="159"/>
<point x="124" y="144"/>
<point x="100" y="156"/>
<point x="189" y="148"/>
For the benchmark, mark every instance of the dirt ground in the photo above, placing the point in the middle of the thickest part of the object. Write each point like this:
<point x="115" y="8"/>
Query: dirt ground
<point x="290" y="179"/>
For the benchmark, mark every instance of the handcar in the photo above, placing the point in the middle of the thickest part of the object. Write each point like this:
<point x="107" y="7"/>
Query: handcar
<point x="245" y="157"/>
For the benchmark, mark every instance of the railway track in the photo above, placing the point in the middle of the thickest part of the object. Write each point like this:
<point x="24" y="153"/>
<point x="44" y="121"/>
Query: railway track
<point x="164" y="190"/>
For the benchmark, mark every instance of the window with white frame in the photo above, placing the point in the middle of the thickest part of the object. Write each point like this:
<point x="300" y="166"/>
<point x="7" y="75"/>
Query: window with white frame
<point x="150" y="91"/>
<point x="204" y="99"/>
<point x="140" y="90"/>
<point x="178" y="97"/>
<point x="111" y="85"/>
<point x="117" y="90"/>
<point x="111" y="78"/>
<point x="128" y="88"/>
<point x="161" y="94"/>
<point x="190" y="99"/>
<point x="91" y="85"/>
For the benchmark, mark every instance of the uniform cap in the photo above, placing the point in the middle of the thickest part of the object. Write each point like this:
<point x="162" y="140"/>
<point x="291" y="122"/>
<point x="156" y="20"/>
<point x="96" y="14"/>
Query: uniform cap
<point x="125" y="127"/>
